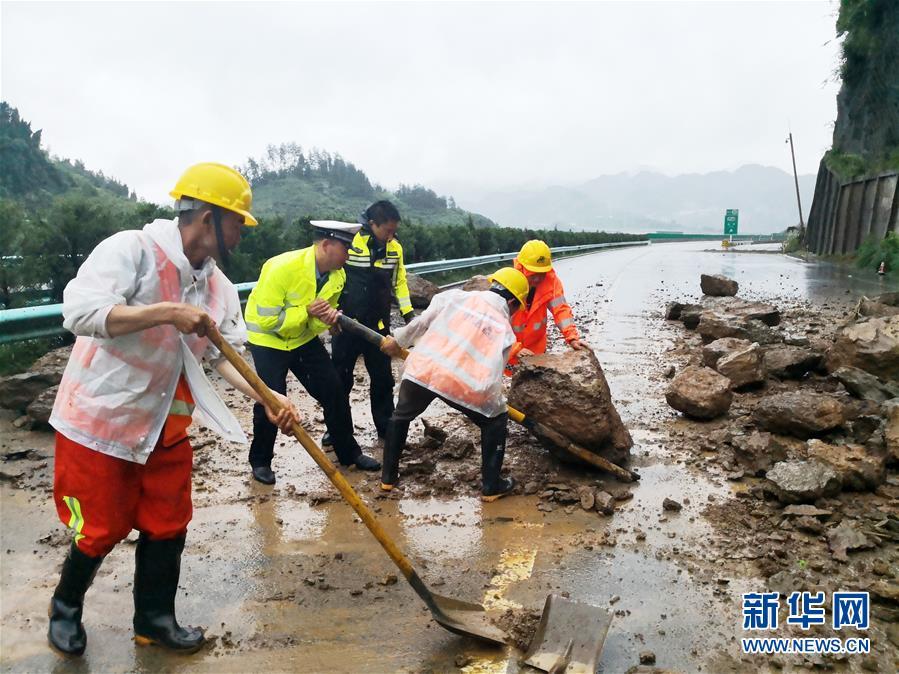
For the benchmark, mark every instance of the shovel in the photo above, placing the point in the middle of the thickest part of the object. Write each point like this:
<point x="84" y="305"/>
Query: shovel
<point x="554" y="649"/>
<point x="457" y="616"/>
<point x="538" y="429"/>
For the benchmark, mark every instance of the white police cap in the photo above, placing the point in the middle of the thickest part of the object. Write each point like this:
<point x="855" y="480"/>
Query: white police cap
<point x="334" y="229"/>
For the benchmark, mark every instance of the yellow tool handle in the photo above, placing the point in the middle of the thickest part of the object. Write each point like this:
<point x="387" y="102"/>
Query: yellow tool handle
<point x="336" y="477"/>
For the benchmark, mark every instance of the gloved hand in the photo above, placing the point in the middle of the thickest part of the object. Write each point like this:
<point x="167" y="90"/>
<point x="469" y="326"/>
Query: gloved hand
<point x="409" y="317"/>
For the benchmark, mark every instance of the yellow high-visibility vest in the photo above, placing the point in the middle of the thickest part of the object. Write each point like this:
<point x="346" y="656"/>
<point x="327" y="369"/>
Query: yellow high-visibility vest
<point x="276" y="314"/>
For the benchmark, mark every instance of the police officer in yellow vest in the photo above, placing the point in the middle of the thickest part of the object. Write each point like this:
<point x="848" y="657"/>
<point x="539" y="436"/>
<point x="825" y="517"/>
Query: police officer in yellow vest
<point x="294" y="301"/>
<point x="375" y="274"/>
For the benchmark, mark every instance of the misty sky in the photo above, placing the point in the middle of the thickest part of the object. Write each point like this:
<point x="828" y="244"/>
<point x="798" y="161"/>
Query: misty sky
<point x="457" y="96"/>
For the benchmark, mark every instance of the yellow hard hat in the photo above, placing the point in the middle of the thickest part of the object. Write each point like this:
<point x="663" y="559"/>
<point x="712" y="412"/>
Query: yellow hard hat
<point x="512" y="280"/>
<point x="219" y="185"/>
<point x="535" y="256"/>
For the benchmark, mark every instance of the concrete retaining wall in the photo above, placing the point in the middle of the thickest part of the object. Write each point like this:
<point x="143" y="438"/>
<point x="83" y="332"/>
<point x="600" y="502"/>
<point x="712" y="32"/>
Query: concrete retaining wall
<point x="843" y="215"/>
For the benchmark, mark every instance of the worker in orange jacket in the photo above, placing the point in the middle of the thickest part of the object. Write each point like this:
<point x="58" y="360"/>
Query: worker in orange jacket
<point x="546" y="294"/>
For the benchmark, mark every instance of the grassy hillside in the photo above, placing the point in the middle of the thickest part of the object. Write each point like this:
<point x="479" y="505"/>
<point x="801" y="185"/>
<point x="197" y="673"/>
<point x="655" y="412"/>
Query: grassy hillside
<point x="292" y="184"/>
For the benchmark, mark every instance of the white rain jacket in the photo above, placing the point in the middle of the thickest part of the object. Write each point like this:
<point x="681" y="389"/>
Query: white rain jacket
<point x="461" y="345"/>
<point x="116" y="392"/>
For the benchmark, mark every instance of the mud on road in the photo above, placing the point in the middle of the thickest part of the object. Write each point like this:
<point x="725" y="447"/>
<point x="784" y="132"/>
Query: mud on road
<point x="286" y="578"/>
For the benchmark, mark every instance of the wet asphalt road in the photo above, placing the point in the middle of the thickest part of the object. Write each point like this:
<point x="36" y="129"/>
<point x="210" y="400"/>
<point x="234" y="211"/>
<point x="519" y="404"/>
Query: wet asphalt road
<point x="287" y="586"/>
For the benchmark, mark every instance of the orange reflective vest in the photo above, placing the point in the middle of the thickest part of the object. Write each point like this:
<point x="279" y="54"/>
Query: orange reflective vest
<point x="529" y="323"/>
<point x="180" y="414"/>
<point x="460" y="344"/>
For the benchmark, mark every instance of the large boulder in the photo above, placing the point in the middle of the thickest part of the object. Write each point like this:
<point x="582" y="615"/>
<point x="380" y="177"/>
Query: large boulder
<point x="700" y="392"/>
<point x="745" y="367"/>
<point x="803" y="414"/>
<point x="803" y="481"/>
<point x="736" y="306"/>
<point x="421" y="291"/>
<point x="717" y="325"/>
<point x="568" y="393"/>
<point x="871" y="344"/>
<point x="713" y="351"/>
<point x="858" y="469"/>
<point x="718" y="286"/>
<point x="791" y="362"/>
<point x="758" y="451"/>
<point x="881" y="306"/>
<point x="690" y="315"/>
<point x="865" y="385"/>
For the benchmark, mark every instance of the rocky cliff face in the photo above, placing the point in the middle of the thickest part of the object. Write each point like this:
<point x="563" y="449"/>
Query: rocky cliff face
<point x="868" y="103"/>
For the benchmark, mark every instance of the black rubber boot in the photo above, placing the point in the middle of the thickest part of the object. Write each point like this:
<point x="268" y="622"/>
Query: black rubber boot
<point x="493" y="451"/>
<point x="393" y="450"/>
<point x="66" y="633"/>
<point x="156" y="573"/>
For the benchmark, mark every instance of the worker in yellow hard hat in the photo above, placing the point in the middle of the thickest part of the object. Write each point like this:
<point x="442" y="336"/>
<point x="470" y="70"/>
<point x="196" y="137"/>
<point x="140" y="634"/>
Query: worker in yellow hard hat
<point x="461" y="343"/>
<point x="545" y="294"/>
<point x="141" y="306"/>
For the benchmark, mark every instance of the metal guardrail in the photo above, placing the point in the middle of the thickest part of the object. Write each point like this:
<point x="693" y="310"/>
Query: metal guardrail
<point x="18" y="325"/>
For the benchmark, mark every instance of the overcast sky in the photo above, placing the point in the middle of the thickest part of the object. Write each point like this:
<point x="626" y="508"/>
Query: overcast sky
<point x="458" y="96"/>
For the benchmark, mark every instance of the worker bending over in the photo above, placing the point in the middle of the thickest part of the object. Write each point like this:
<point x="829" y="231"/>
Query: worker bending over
<point x="461" y="344"/>
<point x="545" y="294"/>
<point x="374" y="275"/>
<point x="294" y="301"/>
<point x="141" y="306"/>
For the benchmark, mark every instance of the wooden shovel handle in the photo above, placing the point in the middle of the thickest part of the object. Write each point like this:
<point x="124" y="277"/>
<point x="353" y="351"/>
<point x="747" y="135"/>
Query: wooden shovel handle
<point x="336" y="477"/>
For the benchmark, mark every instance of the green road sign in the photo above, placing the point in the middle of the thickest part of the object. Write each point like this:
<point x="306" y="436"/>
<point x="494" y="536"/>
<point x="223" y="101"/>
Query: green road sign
<point x="731" y="218"/>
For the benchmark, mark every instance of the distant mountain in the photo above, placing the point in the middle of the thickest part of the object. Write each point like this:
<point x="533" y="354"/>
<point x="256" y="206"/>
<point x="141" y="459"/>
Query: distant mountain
<point x="293" y="183"/>
<point x="647" y="201"/>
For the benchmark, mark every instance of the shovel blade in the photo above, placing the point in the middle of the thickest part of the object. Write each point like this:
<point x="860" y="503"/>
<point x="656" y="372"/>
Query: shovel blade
<point x="569" y="638"/>
<point x="467" y="619"/>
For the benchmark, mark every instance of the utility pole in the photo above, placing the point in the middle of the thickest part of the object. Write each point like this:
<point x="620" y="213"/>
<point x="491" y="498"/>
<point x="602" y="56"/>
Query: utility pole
<point x="796" y="179"/>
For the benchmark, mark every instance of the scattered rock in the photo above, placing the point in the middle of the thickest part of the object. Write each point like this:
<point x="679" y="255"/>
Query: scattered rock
<point x="648" y="657"/>
<point x="457" y="445"/>
<point x="389" y="579"/>
<point x="41" y="407"/>
<point x="587" y="497"/>
<point x="421" y="291"/>
<point x="865" y="385"/>
<point x="809" y="525"/>
<point x="669" y="372"/>
<point x="870" y="344"/>
<point x="431" y="431"/>
<point x="744" y="368"/>
<point x="700" y="392"/>
<point x="718" y="286"/>
<point x="17" y="391"/>
<point x="805" y="510"/>
<point x="604" y="503"/>
<point x="758" y="451"/>
<point x="520" y="625"/>
<point x="803" y="481"/>
<point x="857" y="469"/>
<point x="673" y="311"/>
<point x="713" y="351"/>
<point x="690" y="315"/>
<point x="791" y="362"/>
<point x="568" y="393"/>
<point x="476" y="282"/>
<point x="462" y="660"/>
<point x="800" y="413"/>
<point x="846" y="538"/>
<point x="891" y="427"/>
<point x="671" y="505"/>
